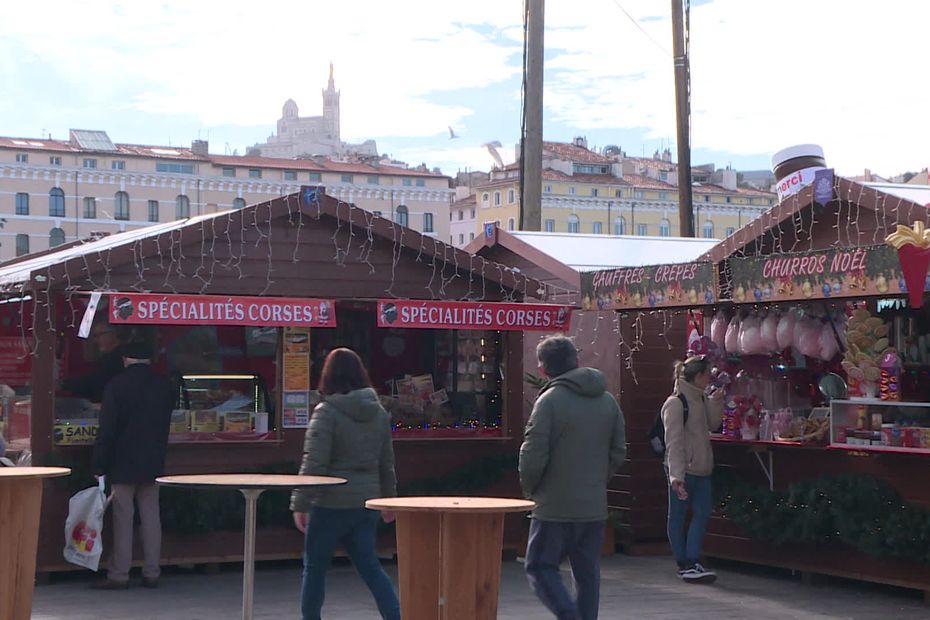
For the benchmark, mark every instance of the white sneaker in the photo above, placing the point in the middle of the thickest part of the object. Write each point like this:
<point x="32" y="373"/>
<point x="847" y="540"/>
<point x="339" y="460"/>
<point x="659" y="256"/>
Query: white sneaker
<point x="698" y="574"/>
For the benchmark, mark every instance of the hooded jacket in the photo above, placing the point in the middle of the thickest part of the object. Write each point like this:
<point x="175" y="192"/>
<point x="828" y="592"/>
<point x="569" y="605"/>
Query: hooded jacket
<point x="688" y="450"/>
<point x="349" y="436"/>
<point x="574" y="442"/>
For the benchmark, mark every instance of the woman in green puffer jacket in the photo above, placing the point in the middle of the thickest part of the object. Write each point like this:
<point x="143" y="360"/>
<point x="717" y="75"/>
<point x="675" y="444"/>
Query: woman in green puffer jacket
<point x="349" y="436"/>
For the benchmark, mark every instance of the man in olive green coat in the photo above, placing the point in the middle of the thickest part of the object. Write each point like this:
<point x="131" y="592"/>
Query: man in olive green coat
<point x="574" y="442"/>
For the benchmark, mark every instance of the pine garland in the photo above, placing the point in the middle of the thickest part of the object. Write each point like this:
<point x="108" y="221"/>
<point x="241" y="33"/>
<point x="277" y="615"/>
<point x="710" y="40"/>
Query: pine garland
<point x="858" y="511"/>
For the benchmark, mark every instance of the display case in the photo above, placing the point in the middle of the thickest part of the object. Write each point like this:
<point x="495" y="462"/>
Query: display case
<point x="220" y="405"/>
<point x="880" y="425"/>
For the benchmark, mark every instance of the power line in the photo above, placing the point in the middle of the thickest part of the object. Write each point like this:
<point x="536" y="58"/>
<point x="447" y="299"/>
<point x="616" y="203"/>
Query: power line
<point x="640" y="28"/>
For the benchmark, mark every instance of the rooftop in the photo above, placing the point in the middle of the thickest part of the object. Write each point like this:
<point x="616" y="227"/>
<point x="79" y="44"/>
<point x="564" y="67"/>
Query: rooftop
<point x="573" y="153"/>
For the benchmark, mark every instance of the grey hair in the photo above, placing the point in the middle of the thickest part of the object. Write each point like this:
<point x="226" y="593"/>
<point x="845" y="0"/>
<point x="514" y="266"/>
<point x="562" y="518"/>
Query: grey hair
<point x="557" y="355"/>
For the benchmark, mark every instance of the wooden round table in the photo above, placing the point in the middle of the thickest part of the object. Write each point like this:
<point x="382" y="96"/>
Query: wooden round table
<point x="449" y="554"/>
<point x="251" y="486"/>
<point x="20" y="508"/>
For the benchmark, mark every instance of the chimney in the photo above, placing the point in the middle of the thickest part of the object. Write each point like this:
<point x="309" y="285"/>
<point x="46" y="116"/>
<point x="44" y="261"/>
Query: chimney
<point x="728" y="179"/>
<point x="580" y="141"/>
<point x="200" y="148"/>
<point x="867" y="176"/>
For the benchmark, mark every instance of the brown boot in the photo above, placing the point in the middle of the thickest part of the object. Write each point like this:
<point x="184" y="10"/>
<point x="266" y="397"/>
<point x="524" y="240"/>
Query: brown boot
<point x="109" y="584"/>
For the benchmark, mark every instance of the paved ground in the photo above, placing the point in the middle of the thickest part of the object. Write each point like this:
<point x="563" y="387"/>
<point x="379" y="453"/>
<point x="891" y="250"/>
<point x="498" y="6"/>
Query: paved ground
<point x="632" y="587"/>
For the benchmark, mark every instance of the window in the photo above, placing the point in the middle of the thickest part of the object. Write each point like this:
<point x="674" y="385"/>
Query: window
<point x="90" y="207"/>
<point x="597" y="228"/>
<point x="401" y="215"/>
<point x="510" y="224"/>
<point x="484" y="199"/>
<point x="511" y="196"/>
<point x="174" y="168"/>
<point x="153" y="210"/>
<point x="461" y="214"/>
<point x="421" y="182"/>
<point x="642" y="230"/>
<point x="182" y="207"/>
<point x="638" y="194"/>
<point x="571" y="190"/>
<point x="620" y="226"/>
<point x="22" y="158"/>
<point x="497" y="199"/>
<point x="730" y="231"/>
<point x="618" y="193"/>
<point x="729" y="200"/>
<point x="594" y="192"/>
<point x="22" y="203"/>
<point x="56" y="202"/>
<point x="90" y="163"/>
<point x="56" y="237"/>
<point x="550" y="226"/>
<point x="290" y="175"/>
<point x="706" y="198"/>
<point x="373" y="179"/>
<point x="407" y="182"/>
<point x="708" y="230"/>
<point x="346" y="178"/>
<point x="255" y="173"/>
<point x="471" y="236"/>
<point x="118" y="164"/>
<point x="548" y="189"/>
<point x="665" y="228"/>
<point x="238" y="203"/>
<point x="771" y="201"/>
<point x="428" y="222"/>
<point x="572" y="223"/>
<point x="461" y="238"/>
<point x="22" y="244"/>
<point x="54" y="160"/>
<point x="229" y="171"/>
<point x="472" y="214"/>
<point x="121" y="206"/>
<point x="663" y="195"/>
<point x="316" y="177"/>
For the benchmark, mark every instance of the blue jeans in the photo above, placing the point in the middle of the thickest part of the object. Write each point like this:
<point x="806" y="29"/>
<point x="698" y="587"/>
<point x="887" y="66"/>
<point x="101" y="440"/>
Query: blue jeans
<point x="689" y="547"/>
<point x="355" y="529"/>
<point x="549" y="544"/>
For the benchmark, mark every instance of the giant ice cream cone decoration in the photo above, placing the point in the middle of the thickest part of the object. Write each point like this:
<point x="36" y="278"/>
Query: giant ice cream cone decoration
<point x="913" y="246"/>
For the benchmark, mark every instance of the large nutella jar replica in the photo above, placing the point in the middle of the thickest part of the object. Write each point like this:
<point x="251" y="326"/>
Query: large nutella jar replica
<point x="795" y="167"/>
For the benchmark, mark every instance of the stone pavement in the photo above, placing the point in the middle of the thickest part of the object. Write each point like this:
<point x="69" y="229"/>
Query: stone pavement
<point x="632" y="587"/>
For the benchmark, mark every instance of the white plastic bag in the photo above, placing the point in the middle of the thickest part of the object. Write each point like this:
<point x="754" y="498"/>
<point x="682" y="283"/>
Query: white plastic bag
<point x="84" y="526"/>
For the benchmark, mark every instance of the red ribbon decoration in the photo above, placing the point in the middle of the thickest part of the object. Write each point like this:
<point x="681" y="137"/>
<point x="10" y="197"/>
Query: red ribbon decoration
<point x="915" y="264"/>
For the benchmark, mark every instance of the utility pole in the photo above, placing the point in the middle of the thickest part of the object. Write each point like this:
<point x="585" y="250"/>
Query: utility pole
<point x="531" y="157"/>
<point x="683" y="114"/>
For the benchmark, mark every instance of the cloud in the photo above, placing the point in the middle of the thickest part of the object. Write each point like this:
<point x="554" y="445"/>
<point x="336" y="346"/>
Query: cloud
<point x="764" y="75"/>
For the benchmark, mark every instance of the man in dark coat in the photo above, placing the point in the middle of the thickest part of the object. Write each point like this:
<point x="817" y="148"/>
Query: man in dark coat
<point x="109" y="363"/>
<point x="130" y="451"/>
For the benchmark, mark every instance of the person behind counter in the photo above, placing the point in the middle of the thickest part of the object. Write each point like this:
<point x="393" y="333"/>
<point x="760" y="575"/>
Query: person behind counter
<point x="109" y="364"/>
<point x="349" y="436"/>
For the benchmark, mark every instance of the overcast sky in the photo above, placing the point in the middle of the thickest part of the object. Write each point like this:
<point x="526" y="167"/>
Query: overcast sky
<point x="849" y="75"/>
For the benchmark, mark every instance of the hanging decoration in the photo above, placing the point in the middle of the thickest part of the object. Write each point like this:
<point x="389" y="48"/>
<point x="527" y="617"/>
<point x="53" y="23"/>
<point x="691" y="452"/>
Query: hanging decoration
<point x="913" y="246"/>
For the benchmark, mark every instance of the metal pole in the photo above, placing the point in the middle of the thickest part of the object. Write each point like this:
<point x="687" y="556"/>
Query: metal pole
<point x="683" y="113"/>
<point x="531" y="201"/>
<point x="248" y="568"/>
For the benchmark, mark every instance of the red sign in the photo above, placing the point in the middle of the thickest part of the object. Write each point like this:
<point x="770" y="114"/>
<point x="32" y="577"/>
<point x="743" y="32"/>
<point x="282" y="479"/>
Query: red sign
<point x="473" y="315"/>
<point x="149" y="309"/>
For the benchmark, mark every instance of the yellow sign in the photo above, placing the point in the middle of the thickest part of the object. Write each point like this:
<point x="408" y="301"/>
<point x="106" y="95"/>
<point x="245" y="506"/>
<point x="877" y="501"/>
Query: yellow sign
<point x="75" y="433"/>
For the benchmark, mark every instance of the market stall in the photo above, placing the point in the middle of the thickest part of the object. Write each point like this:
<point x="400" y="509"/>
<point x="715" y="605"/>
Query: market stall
<point x="823" y="334"/>
<point x="241" y="308"/>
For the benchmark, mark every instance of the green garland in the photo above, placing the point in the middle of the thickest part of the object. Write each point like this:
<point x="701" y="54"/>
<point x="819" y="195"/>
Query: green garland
<point x="858" y="511"/>
<point x="196" y="511"/>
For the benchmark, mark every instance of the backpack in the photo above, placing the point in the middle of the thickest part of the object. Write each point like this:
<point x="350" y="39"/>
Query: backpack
<point x="657" y="432"/>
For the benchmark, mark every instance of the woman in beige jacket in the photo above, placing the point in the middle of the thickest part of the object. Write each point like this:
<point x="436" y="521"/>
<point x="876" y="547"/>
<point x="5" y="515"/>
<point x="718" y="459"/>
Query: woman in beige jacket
<point x="689" y="462"/>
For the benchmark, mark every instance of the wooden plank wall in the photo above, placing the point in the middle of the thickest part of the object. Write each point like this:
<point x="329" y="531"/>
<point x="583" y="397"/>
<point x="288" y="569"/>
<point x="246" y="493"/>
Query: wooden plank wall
<point x="639" y="490"/>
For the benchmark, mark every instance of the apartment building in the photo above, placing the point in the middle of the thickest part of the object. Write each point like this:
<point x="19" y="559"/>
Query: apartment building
<point x="57" y="191"/>
<point x="611" y="194"/>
